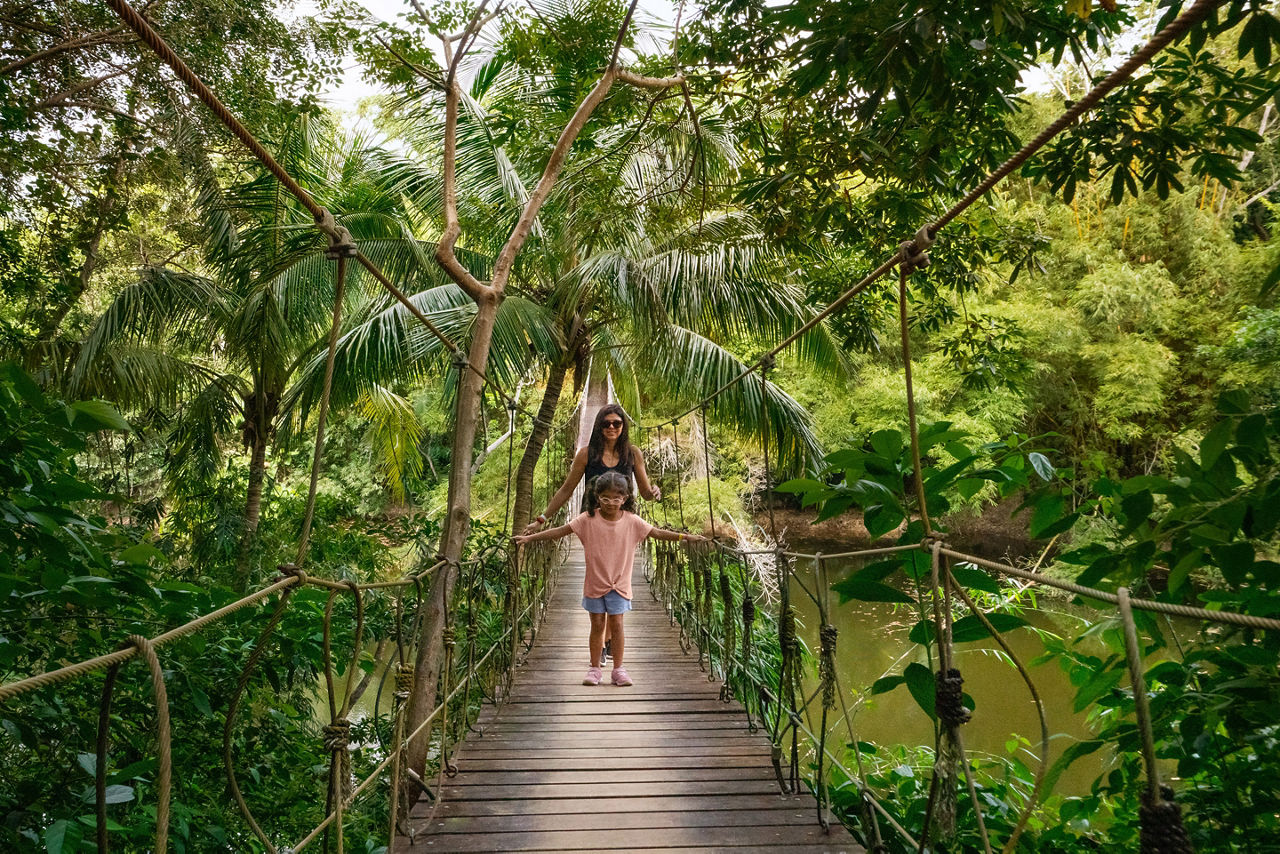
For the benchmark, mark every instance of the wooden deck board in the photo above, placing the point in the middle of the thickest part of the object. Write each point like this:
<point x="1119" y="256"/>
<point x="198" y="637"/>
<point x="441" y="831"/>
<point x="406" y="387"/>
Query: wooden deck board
<point x="661" y="765"/>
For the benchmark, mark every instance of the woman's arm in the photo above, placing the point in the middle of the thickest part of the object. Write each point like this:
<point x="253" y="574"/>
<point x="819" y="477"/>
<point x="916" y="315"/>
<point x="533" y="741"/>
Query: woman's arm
<point x="576" y="471"/>
<point x="549" y="534"/>
<point x="664" y="534"/>
<point x="648" y="490"/>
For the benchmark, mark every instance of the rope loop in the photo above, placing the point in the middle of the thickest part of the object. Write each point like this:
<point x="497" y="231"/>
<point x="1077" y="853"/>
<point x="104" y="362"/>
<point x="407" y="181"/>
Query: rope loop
<point x="460" y="361"/>
<point x="748" y="610"/>
<point x="949" y="688"/>
<point x="341" y="243"/>
<point x="768" y="362"/>
<point x="1160" y="822"/>
<point x="448" y="637"/>
<point x="337" y="735"/>
<point x="726" y="592"/>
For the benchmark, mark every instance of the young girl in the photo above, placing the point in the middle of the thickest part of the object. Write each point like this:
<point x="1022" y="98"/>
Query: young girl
<point x="609" y="532"/>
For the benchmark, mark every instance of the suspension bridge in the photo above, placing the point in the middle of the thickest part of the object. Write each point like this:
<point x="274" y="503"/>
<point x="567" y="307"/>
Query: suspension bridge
<point x="706" y="750"/>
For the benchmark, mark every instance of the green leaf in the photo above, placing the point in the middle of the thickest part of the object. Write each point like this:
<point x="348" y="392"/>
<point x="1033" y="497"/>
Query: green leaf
<point x="922" y="687"/>
<point x="886" y="684"/>
<point x="55" y="836"/>
<point x="117" y="794"/>
<point x="1214" y="443"/>
<point x="970" y="628"/>
<point x="880" y="520"/>
<point x="969" y="487"/>
<point x="141" y="554"/>
<point x="1068" y="757"/>
<point x="868" y="591"/>
<point x="1041" y="464"/>
<point x="1234" y="560"/>
<point x="887" y="443"/>
<point x="800" y="485"/>
<point x="971" y="576"/>
<point x="96" y="415"/>
<point x="1048" y="510"/>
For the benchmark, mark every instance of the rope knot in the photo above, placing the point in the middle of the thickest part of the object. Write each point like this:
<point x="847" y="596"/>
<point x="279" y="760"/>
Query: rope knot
<point x="292" y="570"/>
<point x="726" y="592"/>
<point x="1161" y="825"/>
<point x="337" y="735"/>
<point x="912" y="255"/>
<point x="404" y="681"/>
<point x="768" y="362"/>
<point x="460" y="359"/>
<point x="748" y="610"/>
<point x="341" y="243"/>
<point x="827" y="634"/>
<point x="787" y="627"/>
<point x="447" y="636"/>
<point x="949" y="688"/>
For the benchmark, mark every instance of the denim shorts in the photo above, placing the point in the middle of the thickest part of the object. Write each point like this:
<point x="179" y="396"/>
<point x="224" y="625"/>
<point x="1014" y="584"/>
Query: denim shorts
<point x="612" y="602"/>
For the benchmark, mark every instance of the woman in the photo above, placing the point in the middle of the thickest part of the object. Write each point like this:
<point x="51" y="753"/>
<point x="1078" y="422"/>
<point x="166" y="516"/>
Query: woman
<point x="610" y="449"/>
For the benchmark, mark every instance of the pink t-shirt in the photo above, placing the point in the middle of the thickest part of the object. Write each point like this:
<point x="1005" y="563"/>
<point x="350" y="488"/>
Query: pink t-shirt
<point x="610" y="551"/>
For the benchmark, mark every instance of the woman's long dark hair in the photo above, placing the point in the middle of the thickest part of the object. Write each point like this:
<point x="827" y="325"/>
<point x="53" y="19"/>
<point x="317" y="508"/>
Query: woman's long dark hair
<point x="610" y="481"/>
<point x="595" y="447"/>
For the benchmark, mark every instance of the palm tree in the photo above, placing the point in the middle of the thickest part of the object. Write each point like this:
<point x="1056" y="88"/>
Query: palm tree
<point x="230" y="340"/>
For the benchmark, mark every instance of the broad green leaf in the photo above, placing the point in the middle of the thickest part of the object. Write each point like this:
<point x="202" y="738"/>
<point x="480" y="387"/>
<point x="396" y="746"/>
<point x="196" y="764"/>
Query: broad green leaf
<point x="880" y="520"/>
<point x="978" y="579"/>
<point x="55" y="836"/>
<point x="1041" y="464"/>
<point x="96" y="415"/>
<point x="1214" y="443"/>
<point x="1047" y="511"/>
<point x="886" y="684"/>
<point x="970" y="628"/>
<point x="887" y="443"/>
<point x="868" y="591"/>
<point x="922" y="687"/>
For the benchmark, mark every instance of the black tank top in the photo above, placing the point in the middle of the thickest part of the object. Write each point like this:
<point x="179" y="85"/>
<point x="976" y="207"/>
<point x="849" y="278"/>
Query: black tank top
<point x="595" y="468"/>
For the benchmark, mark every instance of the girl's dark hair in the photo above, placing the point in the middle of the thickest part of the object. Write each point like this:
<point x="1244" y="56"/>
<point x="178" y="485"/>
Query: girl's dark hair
<point x="610" y="481"/>
<point x="595" y="447"/>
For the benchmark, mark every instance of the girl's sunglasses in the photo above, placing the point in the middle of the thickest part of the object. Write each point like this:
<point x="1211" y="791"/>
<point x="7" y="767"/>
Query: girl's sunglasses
<point x="611" y="423"/>
<point x="611" y="499"/>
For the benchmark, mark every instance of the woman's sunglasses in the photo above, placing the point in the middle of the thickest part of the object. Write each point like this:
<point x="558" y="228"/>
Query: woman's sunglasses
<point x="611" y="423"/>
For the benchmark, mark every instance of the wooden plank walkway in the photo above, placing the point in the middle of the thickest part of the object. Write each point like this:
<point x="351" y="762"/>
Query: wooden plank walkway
<point x="660" y="765"/>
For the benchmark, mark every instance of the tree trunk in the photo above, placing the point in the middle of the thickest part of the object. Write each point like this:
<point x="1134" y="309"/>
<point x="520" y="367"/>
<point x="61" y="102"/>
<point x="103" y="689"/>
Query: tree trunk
<point x="456" y="525"/>
<point x="252" y="511"/>
<point x="260" y="410"/>
<point x="522" y="509"/>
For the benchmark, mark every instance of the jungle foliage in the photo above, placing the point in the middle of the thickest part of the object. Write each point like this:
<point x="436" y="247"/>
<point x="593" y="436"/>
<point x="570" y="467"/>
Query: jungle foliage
<point x="164" y="307"/>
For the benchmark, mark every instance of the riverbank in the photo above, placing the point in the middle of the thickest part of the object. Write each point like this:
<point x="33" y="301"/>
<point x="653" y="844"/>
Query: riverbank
<point x="995" y="533"/>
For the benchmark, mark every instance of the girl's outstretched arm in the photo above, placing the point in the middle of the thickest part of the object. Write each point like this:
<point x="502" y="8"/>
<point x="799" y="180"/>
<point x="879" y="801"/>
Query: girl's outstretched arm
<point x="664" y="534"/>
<point x="549" y="534"/>
<point x="565" y="492"/>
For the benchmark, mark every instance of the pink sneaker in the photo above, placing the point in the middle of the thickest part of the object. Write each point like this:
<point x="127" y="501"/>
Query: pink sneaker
<point x="594" y="675"/>
<point x="620" y="677"/>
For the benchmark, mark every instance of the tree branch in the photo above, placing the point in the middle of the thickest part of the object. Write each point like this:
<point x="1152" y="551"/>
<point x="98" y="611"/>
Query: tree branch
<point x="91" y="40"/>
<point x="61" y="97"/>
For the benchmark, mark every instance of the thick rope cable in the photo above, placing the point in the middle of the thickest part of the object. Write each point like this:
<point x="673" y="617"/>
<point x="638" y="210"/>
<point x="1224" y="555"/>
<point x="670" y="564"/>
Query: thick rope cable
<point x="72" y="671"/>
<point x="904" y="270"/>
<point x="1170" y="608"/>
